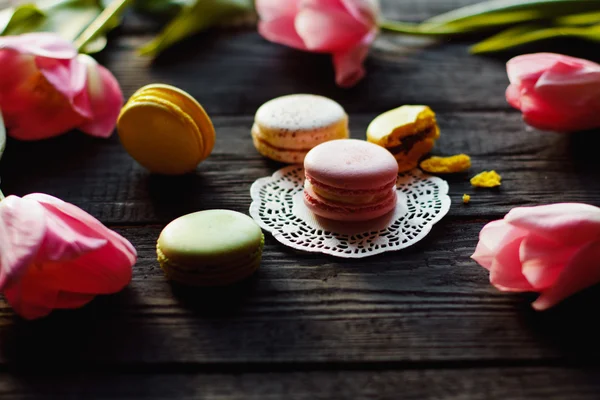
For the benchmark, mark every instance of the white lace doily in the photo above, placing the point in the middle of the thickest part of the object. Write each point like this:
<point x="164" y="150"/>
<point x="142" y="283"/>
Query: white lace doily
<point x="278" y="207"/>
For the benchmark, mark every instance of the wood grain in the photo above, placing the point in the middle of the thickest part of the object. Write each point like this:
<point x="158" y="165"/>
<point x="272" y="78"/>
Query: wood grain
<point x="427" y="306"/>
<point x="423" y="323"/>
<point x="258" y="70"/>
<point x="99" y="176"/>
<point x="463" y="384"/>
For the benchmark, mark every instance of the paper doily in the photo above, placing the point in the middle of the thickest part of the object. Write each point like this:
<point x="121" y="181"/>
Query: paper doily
<point x="278" y="207"/>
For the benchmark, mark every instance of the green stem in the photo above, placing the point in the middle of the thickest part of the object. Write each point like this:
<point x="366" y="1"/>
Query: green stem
<point x="98" y="25"/>
<point x="2" y="196"/>
<point x="414" y="29"/>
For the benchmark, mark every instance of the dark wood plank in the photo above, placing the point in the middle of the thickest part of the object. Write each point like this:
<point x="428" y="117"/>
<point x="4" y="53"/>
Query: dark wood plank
<point x="258" y="70"/>
<point x="99" y="175"/>
<point x="427" y="306"/>
<point x="417" y="11"/>
<point x="463" y="384"/>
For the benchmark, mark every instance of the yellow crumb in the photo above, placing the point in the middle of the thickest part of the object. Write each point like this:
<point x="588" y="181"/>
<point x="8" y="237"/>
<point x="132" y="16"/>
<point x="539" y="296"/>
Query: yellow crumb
<point x="486" y="179"/>
<point x="447" y="165"/>
<point x="466" y="198"/>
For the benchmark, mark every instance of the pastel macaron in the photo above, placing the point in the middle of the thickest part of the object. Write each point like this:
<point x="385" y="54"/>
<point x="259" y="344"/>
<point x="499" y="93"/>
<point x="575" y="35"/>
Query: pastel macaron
<point x="288" y="127"/>
<point x="408" y="132"/>
<point x="166" y="130"/>
<point x="210" y="248"/>
<point x="350" y="180"/>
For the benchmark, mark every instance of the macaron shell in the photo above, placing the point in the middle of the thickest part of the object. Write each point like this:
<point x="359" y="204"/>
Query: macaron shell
<point x="299" y="113"/>
<point x="160" y="136"/>
<point x="210" y="237"/>
<point x="351" y="164"/>
<point x="390" y="127"/>
<point x="189" y="106"/>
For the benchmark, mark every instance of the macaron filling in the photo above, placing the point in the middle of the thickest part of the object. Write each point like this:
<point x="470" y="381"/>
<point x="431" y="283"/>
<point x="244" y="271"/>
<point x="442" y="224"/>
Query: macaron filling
<point x="349" y="213"/>
<point x="408" y="142"/>
<point x="345" y="196"/>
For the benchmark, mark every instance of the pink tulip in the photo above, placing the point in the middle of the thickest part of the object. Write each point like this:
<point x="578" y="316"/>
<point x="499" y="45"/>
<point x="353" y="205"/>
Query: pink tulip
<point x="555" y="92"/>
<point x="552" y="249"/>
<point x="54" y="255"/>
<point x="46" y="89"/>
<point x="343" y="28"/>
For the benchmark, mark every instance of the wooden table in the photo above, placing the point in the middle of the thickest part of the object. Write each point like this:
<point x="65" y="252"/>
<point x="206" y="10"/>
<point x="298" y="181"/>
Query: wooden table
<point x="423" y="323"/>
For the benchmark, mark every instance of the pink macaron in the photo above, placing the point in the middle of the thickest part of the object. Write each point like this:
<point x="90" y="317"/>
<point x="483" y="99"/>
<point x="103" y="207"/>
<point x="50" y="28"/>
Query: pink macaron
<point x="350" y="180"/>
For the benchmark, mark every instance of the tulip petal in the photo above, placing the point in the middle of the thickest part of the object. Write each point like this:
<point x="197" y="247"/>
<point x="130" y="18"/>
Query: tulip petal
<point x="44" y="103"/>
<point x="543" y="260"/>
<point x="21" y="67"/>
<point x="498" y="251"/>
<point x="105" y="98"/>
<point x="42" y="44"/>
<point x="72" y="300"/>
<point x="92" y="224"/>
<point x="67" y="239"/>
<point x="69" y="79"/>
<point x="365" y="11"/>
<point x="32" y="298"/>
<point x="555" y="92"/>
<point x="349" y="68"/>
<point x="282" y="31"/>
<point x="328" y="30"/>
<point x="532" y="66"/>
<point x="564" y="223"/>
<point x="491" y="238"/>
<point x="270" y="10"/>
<point x="22" y="230"/>
<point x="581" y="272"/>
<point x="105" y="270"/>
<point x="505" y="273"/>
<point x="513" y="96"/>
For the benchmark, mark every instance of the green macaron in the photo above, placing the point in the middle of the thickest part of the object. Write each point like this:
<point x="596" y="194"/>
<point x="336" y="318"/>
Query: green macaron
<point x="210" y="248"/>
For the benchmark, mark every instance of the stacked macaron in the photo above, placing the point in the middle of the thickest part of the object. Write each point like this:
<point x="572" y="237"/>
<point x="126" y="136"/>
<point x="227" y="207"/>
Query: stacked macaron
<point x="350" y="180"/>
<point x="166" y="130"/>
<point x="287" y="127"/>
<point x="210" y="248"/>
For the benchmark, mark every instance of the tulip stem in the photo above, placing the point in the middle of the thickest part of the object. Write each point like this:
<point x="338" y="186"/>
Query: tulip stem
<point x="97" y="26"/>
<point x="408" y="28"/>
<point x="1" y="195"/>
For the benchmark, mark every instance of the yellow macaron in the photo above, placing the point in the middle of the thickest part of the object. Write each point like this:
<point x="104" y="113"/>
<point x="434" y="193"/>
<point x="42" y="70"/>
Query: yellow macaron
<point x="166" y="130"/>
<point x="288" y="127"/>
<point x="408" y="132"/>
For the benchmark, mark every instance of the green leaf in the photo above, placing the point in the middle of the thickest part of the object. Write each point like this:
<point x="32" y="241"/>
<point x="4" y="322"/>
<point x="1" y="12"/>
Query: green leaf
<point x="161" y="7"/>
<point x="68" y="18"/>
<point x="589" y="18"/>
<point x="12" y="17"/>
<point x="498" y="13"/>
<point x="93" y="37"/>
<point x="200" y="16"/>
<point x="527" y="34"/>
